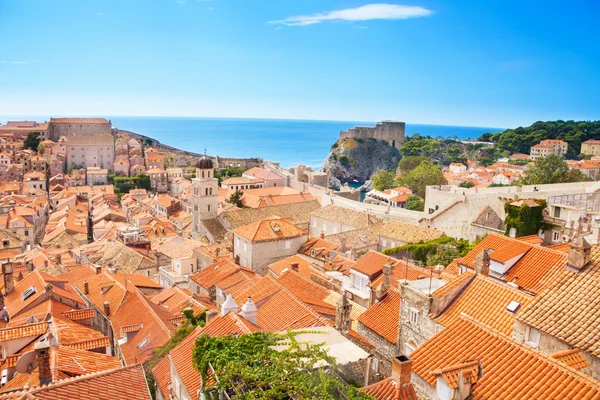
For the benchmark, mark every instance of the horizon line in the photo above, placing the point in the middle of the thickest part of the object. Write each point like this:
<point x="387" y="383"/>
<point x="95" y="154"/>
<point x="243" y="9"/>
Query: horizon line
<point x="242" y="118"/>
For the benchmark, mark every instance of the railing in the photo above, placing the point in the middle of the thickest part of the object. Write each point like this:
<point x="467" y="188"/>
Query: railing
<point x="589" y="202"/>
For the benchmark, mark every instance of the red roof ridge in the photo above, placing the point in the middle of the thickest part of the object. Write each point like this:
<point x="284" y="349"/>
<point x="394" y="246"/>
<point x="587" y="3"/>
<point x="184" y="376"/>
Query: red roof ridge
<point x="545" y="357"/>
<point x="158" y="319"/>
<point x="516" y="240"/>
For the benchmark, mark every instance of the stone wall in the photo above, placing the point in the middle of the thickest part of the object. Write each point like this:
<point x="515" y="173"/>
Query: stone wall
<point x="318" y="225"/>
<point x="392" y="132"/>
<point x="415" y="334"/>
<point x="384" y="352"/>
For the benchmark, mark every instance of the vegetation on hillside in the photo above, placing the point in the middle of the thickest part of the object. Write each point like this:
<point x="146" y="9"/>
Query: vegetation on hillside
<point x="426" y="174"/>
<point x="248" y="368"/>
<point x="123" y="184"/>
<point x="521" y="139"/>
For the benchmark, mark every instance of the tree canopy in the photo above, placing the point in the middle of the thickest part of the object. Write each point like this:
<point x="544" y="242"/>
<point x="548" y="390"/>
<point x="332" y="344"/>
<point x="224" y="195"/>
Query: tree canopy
<point x="248" y="368"/>
<point x="32" y="141"/>
<point x="521" y="139"/>
<point x="384" y="180"/>
<point x="409" y="163"/>
<point x="236" y="198"/>
<point x="426" y="174"/>
<point x="551" y="169"/>
<point x="414" y="203"/>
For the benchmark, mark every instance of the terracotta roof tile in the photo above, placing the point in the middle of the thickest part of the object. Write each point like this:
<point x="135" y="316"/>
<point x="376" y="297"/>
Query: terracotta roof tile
<point x="162" y="374"/>
<point x="383" y="317"/>
<point x="569" y="309"/>
<point x="91" y="344"/>
<point x="510" y="370"/>
<point x="230" y="324"/>
<point x="486" y="300"/>
<point x="573" y="358"/>
<point x="78" y="315"/>
<point x="388" y="389"/>
<point x="270" y="229"/>
<point x="23" y="331"/>
<point x="408" y="233"/>
<point x="469" y="370"/>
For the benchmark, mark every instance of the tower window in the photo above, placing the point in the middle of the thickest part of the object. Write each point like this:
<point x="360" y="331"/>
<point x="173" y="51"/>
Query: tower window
<point x="208" y="207"/>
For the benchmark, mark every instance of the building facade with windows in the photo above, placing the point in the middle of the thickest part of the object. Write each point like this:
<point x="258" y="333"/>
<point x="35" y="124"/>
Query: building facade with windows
<point x="96" y="150"/>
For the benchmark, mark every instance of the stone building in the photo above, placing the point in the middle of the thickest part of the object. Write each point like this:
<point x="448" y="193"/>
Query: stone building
<point x="121" y="166"/>
<point x="97" y="176"/>
<point x="158" y="180"/>
<point x="332" y="219"/>
<point x="263" y="242"/>
<point x="93" y="150"/>
<point x="205" y="197"/>
<point x="390" y="131"/>
<point x="590" y="147"/>
<point x="77" y="126"/>
<point x="549" y="146"/>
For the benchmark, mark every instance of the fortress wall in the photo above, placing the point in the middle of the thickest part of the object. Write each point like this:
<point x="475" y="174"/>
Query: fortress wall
<point x="392" y="132"/>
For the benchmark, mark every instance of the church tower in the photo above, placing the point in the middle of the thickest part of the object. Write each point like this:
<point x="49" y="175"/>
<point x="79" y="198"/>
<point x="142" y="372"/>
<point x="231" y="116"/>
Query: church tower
<point x="205" y="197"/>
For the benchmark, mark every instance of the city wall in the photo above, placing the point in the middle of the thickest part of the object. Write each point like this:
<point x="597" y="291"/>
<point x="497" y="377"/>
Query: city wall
<point x="392" y="132"/>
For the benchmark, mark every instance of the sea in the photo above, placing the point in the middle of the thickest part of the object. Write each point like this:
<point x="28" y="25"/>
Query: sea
<point x="289" y="142"/>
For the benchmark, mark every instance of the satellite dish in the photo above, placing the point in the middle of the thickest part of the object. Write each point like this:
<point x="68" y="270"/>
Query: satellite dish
<point x="27" y="362"/>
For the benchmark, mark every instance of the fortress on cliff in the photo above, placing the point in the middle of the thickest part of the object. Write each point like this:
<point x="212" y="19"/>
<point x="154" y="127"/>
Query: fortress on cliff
<point x="390" y="131"/>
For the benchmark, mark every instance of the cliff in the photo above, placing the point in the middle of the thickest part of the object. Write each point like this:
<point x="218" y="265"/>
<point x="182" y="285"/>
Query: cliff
<point x="355" y="158"/>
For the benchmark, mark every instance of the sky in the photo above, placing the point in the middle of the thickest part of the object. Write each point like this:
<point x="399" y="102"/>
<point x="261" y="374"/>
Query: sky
<point x="471" y="63"/>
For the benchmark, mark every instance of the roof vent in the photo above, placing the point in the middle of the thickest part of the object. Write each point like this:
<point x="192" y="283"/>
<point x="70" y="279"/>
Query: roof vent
<point x="28" y="292"/>
<point x="275" y="228"/>
<point x="513" y="307"/>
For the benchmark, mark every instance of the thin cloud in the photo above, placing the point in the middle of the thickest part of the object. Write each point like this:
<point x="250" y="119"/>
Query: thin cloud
<point x="364" y="13"/>
<point x="12" y="62"/>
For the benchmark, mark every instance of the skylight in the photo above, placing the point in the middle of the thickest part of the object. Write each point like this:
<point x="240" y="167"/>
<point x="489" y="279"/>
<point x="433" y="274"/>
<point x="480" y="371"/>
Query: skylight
<point x="513" y="307"/>
<point x="142" y="343"/>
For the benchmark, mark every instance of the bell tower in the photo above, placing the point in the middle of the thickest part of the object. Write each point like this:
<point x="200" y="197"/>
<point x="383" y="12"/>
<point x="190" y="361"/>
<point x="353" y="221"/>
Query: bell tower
<point x="205" y="194"/>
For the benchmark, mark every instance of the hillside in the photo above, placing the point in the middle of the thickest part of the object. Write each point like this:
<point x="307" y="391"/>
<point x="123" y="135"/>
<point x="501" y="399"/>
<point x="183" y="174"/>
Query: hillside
<point x="521" y="139"/>
<point x="354" y="158"/>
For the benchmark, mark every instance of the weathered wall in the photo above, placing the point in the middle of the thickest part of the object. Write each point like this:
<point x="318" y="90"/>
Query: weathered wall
<point x="392" y="132"/>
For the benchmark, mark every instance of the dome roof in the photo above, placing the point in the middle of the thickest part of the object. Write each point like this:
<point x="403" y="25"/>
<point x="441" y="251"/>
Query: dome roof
<point x="204" y="163"/>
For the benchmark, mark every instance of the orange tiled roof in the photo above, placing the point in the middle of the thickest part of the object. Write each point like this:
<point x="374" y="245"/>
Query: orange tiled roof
<point x="371" y="263"/>
<point x="303" y="266"/>
<point x="78" y="315"/>
<point x="230" y="324"/>
<point x="455" y="282"/>
<point x="162" y="374"/>
<point x="532" y="239"/>
<point x="510" y="370"/>
<point x="91" y="344"/>
<point x="573" y="358"/>
<point x="533" y="272"/>
<point x="214" y="273"/>
<point x="402" y="270"/>
<point x="270" y="229"/>
<point x="388" y="389"/>
<point x="183" y="362"/>
<point x="485" y="300"/>
<point x="318" y="248"/>
<point x="238" y="282"/>
<point x="469" y="370"/>
<point x="568" y="310"/>
<point x="383" y="317"/>
<point x="122" y="383"/>
<point x="23" y="331"/>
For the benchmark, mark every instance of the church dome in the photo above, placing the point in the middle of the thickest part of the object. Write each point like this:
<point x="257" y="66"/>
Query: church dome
<point x="204" y="163"/>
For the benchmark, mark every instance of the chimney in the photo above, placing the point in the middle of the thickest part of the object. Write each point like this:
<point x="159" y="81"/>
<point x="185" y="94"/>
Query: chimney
<point x="482" y="263"/>
<point x="86" y="287"/>
<point x="342" y="314"/>
<point x="249" y="310"/>
<point x="42" y="353"/>
<point x="98" y="269"/>
<point x="229" y="305"/>
<point x="322" y="235"/>
<point x="7" y="271"/>
<point x="210" y="315"/>
<point x="388" y="272"/>
<point x="295" y="266"/>
<point x="579" y="252"/>
<point x="106" y="308"/>
<point x="402" y="370"/>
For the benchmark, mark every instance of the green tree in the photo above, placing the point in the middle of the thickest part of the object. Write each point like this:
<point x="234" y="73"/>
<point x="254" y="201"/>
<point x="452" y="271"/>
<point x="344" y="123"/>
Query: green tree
<point x="466" y="184"/>
<point x="414" y="203"/>
<point x="32" y="141"/>
<point x="426" y="174"/>
<point x="383" y="180"/>
<point x="409" y="163"/>
<point x="418" y="145"/>
<point x="551" y="169"/>
<point x="236" y="198"/>
<point x="248" y="367"/>
<point x="74" y="166"/>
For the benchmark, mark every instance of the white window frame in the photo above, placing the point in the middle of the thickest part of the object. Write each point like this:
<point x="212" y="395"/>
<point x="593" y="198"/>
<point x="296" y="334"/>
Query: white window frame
<point x="408" y="349"/>
<point x="288" y="244"/>
<point x="375" y="365"/>
<point x="414" y="317"/>
<point x="535" y="342"/>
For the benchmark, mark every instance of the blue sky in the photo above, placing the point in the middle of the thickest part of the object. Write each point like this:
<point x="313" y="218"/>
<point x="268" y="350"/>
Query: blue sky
<point x="476" y="63"/>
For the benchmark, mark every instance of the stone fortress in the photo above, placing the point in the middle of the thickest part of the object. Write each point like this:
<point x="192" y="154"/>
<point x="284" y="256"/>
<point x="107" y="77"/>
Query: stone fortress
<point x="390" y="131"/>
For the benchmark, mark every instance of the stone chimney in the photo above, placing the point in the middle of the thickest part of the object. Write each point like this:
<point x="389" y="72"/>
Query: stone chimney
<point x="295" y="266"/>
<point x="249" y="310"/>
<point x="106" y="308"/>
<point x="98" y="269"/>
<point x="482" y="263"/>
<point x="402" y="370"/>
<point x="210" y="315"/>
<point x="579" y="252"/>
<point x="7" y="271"/>
<point x="86" y="287"/>
<point x="42" y="353"/>
<point x="388" y="272"/>
<point x="322" y="235"/>
<point x="229" y="305"/>
<point x="342" y="315"/>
